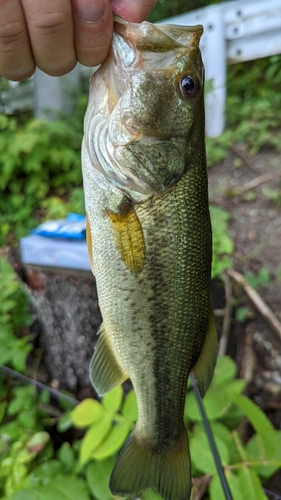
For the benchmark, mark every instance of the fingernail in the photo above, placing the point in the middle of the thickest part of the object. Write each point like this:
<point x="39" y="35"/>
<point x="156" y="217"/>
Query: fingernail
<point x="89" y="11"/>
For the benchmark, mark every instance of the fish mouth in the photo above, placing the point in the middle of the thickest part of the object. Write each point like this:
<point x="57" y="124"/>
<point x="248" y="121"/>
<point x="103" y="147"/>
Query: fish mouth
<point x="146" y="36"/>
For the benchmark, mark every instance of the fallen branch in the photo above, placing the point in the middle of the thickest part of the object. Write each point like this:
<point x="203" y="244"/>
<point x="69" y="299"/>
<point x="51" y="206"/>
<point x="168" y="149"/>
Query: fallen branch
<point x="257" y="301"/>
<point x="219" y="312"/>
<point x="248" y="356"/>
<point x="245" y="156"/>
<point x="237" y="190"/>
<point x="200" y="485"/>
<point x="257" y="181"/>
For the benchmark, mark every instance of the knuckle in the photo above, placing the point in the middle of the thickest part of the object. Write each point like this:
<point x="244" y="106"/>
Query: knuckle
<point x="53" y="23"/>
<point x="11" y="36"/>
<point x="16" y="63"/>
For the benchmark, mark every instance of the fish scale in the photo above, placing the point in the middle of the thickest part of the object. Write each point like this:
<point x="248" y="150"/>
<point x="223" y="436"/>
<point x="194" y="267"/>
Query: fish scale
<point x="151" y="250"/>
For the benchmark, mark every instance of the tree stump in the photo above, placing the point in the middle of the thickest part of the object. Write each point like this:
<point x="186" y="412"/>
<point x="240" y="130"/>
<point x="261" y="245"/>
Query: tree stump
<point x="65" y="305"/>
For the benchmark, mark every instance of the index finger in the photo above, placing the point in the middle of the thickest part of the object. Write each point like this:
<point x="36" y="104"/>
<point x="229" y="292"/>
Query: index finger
<point x="16" y="61"/>
<point x="50" y="28"/>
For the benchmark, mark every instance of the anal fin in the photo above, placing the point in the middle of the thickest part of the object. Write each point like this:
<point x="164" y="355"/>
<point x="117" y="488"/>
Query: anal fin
<point x="204" y="367"/>
<point x="105" y="371"/>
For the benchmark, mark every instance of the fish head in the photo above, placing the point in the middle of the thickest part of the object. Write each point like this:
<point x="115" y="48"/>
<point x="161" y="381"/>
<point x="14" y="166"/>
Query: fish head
<point x="149" y="95"/>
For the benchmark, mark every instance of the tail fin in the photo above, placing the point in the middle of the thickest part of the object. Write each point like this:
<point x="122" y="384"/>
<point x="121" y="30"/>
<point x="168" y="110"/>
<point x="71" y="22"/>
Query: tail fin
<point x="139" y="467"/>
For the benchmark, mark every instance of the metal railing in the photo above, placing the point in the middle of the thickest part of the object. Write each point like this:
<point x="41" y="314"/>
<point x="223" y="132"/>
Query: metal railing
<point x="235" y="31"/>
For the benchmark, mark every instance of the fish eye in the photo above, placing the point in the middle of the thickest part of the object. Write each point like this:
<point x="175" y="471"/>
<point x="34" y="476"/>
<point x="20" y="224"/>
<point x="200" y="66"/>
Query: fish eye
<point x="189" y="86"/>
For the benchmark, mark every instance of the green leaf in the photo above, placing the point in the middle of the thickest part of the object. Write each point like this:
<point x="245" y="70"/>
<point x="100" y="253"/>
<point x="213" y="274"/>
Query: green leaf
<point x="191" y="410"/>
<point x="3" y="407"/>
<point x="38" y="442"/>
<point x="94" y="437"/>
<point x="216" y="490"/>
<point x="113" y="399"/>
<point x="258" y="419"/>
<point x="233" y="416"/>
<point x="242" y="314"/>
<point x="24" y="398"/>
<point x="201" y="454"/>
<point x="26" y="494"/>
<point x="8" y="305"/>
<point x="11" y="431"/>
<point x="234" y="485"/>
<point x="65" y="422"/>
<point x="221" y="431"/>
<point x="113" y="441"/>
<point x="65" y="487"/>
<point x="66" y="456"/>
<point x="225" y="372"/>
<point x="27" y="418"/>
<point x="129" y="408"/>
<point x="98" y="475"/>
<point x="216" y="404"/>
<point x="44" y="397"/>
<point x="257" y="452"/>
<point x="86" y="413"/>
<point x="236" y="387"/>
<point x="250" y="484"/>
<point x="262" y="278"/>
<point x="222" y="243"/>
<point x="43" y="473"/>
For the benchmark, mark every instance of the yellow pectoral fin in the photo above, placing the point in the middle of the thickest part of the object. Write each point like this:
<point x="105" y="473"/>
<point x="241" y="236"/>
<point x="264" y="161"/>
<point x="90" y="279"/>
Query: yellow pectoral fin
<point x="128" y="236"/>
<point x="89" y="243"/>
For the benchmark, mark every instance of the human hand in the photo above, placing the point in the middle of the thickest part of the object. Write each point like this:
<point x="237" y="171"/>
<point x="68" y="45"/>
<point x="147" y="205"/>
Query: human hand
<point x="55" y="34"/>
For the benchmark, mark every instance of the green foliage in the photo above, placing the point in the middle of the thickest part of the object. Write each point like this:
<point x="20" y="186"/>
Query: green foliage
<point x="222" y="243"/>
<point x="243" y="463"/>
<point x="22" y="437"/>
<point x="168" y="8"/>
<point x="40" y="167"/>
<point x="253" y="108"/>
<point x="107" y="428"/>
<point x="83" y="470"/>
<point x="14" y="316"/>
<point x="262" y="278"/>
<point x="242" y="313"/>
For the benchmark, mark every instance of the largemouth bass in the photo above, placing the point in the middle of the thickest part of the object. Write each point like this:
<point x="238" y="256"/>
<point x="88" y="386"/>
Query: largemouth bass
<point x="150" y="244"/>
